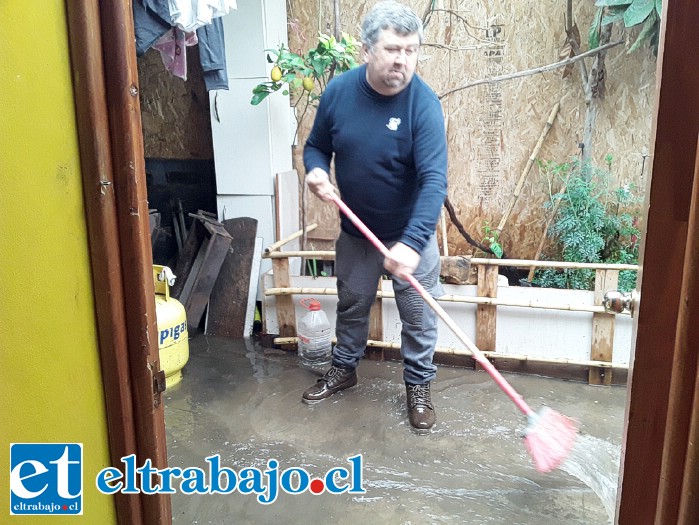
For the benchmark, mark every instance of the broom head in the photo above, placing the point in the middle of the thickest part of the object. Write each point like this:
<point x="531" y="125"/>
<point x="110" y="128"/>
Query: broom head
<point x="549" y="437"/>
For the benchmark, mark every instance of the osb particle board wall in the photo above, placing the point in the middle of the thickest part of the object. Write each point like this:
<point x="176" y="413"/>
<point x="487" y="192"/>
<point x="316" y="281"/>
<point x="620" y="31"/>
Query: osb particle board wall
<point x="174" y="112"/>
<point x="493" y="128"/>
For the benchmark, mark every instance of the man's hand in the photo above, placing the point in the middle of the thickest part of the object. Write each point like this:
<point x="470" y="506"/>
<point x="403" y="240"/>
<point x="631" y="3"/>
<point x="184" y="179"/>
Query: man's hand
<point x="318" y="182"/>
<point x="402" y="260"/>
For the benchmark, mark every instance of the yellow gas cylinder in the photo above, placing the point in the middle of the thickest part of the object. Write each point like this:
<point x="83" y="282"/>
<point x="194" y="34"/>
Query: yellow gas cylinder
<point x="173" y="340"/>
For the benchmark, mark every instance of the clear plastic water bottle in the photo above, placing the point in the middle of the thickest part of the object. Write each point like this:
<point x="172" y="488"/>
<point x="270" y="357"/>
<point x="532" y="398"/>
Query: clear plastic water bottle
<point x="315" y="338"/>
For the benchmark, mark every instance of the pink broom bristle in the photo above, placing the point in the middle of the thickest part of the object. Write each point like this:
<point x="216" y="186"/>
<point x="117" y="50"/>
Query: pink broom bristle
<point x="549" y="438"/>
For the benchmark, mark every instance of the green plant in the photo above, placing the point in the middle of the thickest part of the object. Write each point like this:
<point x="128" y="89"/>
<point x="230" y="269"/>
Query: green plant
<point x="592" y="224"/>
<point x="491" y="238"/>
<point x="306" y="76"/>
<point x="632" y="13"/>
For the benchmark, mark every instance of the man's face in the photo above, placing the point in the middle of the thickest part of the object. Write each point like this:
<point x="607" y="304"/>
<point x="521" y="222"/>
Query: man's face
<point x="392" y="61"/>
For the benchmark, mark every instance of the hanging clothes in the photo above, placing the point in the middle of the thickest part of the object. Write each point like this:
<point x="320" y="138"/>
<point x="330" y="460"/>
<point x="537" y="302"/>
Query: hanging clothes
<point x="153" y="19"/>
<point x="190" y="15"/>
<point x="212" y="55"/>
<point x="172" y="50"/>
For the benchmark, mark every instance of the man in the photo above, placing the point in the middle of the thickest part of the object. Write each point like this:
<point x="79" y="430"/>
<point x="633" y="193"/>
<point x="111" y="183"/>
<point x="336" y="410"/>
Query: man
<point x="386" y="129"/>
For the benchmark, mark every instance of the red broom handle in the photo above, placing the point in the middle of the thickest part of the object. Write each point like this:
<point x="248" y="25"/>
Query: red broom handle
<point x="477" y="354"/>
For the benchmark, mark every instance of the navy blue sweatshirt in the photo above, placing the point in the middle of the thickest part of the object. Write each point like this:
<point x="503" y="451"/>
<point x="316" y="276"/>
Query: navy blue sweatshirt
<point x="390" y="155"/>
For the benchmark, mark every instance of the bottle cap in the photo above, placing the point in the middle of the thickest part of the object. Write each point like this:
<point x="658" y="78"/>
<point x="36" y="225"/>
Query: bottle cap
<point x="310" y="304"/>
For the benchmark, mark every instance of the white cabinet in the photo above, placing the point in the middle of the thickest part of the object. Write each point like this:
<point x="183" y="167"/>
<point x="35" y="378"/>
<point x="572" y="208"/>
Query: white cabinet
<point x="242" y="141"/>
<point x="244" y="31"/>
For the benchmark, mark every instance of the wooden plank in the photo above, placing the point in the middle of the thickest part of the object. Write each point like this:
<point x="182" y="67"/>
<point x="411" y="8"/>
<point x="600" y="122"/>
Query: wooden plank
<point x="186" y="259"/>
<point x="486" y="314"/>
<point x="215" y="250"/>
<point x="193" y="272"/>
<point x="286" y="314"/>
<point x="443" y="231"/>
<point x="602" y="329"/>
<point x="286" y="202"/>
<point x="198" y="266"/>
<point x="252" y="287"/>
<point x="228" y="303"/>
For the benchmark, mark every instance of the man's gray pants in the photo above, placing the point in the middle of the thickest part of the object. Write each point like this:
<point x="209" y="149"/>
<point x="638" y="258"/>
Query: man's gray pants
<point x="358" y="267"/>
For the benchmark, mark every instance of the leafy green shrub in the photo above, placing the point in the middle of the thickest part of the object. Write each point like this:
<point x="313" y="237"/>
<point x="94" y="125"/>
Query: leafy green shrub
<point x="592" y="224"/>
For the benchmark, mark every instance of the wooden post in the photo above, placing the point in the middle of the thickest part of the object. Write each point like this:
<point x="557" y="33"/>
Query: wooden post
<point x="286" y="313"/>
<point x="486" y="314"/>
<point x="443" y="231"/>
<point x="602" y="329"/>
<point x="126" y="139"/>
<point x="376" y="328"/>
<point x="295" y="235"/>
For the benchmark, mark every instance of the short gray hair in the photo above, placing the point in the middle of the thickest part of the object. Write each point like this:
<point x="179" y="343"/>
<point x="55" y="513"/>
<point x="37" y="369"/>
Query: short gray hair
<point x="390" y="15"/>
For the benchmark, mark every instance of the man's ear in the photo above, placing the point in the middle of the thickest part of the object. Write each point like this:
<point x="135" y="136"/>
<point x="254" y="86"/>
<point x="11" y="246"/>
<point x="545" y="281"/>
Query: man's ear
<point x="365" y="52"/>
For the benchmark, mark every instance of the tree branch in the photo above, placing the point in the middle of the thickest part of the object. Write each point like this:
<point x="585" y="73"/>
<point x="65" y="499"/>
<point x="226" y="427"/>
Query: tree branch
<point x="428" y="16"/>
<point x="509" y="271"/>
<point x="336" y="12"/>
<point x="455" y="220"/>
<point x="462" y="48"/>
<point x="542" y="69"/>
<point x="598" y="73"/>
<point x="459" y="17"/>
<point x="573" y="39"/>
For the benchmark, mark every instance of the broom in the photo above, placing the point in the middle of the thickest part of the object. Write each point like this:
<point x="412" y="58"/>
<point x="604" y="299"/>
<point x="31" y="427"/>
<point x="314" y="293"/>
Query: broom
<point x="549" y="436"/>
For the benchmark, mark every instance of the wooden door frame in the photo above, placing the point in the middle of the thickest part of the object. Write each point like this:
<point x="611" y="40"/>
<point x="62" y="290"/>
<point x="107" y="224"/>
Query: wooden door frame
<point x="105" y="85"/>
<point x="674" y="147"/>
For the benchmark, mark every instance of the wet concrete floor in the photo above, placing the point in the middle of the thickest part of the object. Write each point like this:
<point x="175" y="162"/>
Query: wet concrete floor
<point x="243" y="402"/>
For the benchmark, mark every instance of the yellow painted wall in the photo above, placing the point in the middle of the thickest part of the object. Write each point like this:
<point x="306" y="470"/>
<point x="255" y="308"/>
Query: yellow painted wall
<point x="50" y="382"/>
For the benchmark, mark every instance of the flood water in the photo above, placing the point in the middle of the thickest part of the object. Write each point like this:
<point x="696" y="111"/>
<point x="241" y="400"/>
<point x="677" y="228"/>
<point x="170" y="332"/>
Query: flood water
<point x="596" y="462"/>
<point x="243" y="402"/>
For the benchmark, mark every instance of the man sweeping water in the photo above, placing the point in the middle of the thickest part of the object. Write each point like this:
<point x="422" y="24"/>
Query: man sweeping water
<point x="400" y="182"/>
<point x="385" y="128"/>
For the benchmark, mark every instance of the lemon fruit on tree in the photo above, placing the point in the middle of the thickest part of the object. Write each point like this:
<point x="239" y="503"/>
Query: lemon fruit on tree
<point x="308" y="84"/>
<point x="299" y="75"/>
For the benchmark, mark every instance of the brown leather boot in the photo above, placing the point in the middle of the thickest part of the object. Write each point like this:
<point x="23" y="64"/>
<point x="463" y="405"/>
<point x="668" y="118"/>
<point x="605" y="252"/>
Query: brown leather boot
<point x="420" y="408"/>
<point x="334" y="380"/>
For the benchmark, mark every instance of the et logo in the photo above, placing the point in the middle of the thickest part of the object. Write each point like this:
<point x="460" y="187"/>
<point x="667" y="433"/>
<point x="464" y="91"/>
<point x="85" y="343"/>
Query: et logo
<point x="46" y="478"/>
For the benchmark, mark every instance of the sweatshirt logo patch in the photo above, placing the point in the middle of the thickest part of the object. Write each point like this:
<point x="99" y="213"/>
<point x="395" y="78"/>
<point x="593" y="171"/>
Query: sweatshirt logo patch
<point x="393" y="123"/>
